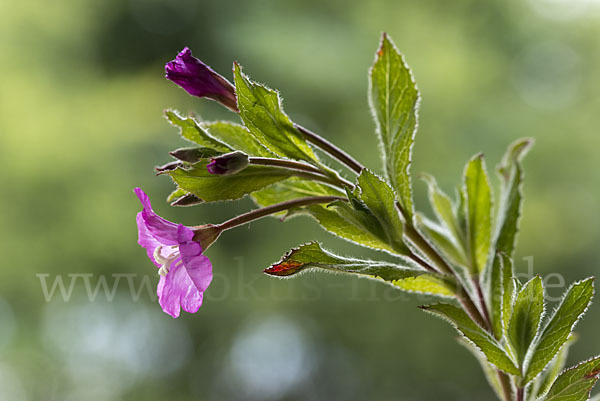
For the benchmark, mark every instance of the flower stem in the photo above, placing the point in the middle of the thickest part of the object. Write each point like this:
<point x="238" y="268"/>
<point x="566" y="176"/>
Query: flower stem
<point x="294" y="165"/>
<point x="330" y="148"/>
<point x="278" y="207"/>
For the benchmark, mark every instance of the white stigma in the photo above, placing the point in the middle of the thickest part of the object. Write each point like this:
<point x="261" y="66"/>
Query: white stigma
<point x="166" y="261"/>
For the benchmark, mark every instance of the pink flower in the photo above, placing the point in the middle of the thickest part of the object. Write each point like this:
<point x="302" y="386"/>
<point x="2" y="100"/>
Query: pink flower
<point x="185" y="273"/>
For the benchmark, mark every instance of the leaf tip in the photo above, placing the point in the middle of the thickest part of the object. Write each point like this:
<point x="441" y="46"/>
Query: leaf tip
<point x="284" y="269"/>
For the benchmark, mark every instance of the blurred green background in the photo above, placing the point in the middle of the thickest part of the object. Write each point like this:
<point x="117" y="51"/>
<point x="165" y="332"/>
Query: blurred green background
<point x="81" y="97"/>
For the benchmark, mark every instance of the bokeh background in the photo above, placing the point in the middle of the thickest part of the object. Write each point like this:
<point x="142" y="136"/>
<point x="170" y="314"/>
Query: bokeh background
<point x="81" y="97"/>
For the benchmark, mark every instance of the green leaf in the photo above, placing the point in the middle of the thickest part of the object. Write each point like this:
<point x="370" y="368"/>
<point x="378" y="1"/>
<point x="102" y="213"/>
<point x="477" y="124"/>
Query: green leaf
<point x="509" y="291"/>
<point x="493" y="351"/>
<point x="443" y="208"/>
<point x="461" y="210"/>
<point x="312" y="256"/>
<point x="211" y="188"/>
<point x="408" y="276"/>
<point x="443" y="240"/>
<point x="511" y="196"/>
<point x="193" y="132"/>
<point x="355" y="226"/>
<point x="292" y="188"/>
<point x="262" y="113"/>
<point x="427" y="284"/>
<point x="380" y="199"/>
<point x="543" y="383"/>
<point x="555" y="334"/>
<point x="236" y="137"/>
<point x="394" y="101"/>
<point x="496" y="291"/>
<point x="576" y="383"/>
<point x="176" y="194"/>
<point x="479" y="213"/>
<point x="526" y="317"/>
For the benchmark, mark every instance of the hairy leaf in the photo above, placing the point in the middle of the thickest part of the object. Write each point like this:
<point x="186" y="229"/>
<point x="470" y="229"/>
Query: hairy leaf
<point x="210" y="188"/>
<point x="176" y="194"/>
<point x="556" y="333"/>
<point x="394" y="101"/>
<point x="526" y="317"/>
<point x="509" y="291"/>
<point x="293" y="188"/>
<point x="380" y="199"/>
<point x="352" y="225"/>
<point x="407" y="276"/>
<point x="543" y="383"/>
<point x="511" y="196"/>
<point x="443" y="240"/>
<point x="443" y="209"/>
<point x="428" y="284"/>
<point x="262" y="113"/>
<point x="472" y="331"/>
<point x="312" y="256"/>
<point x="193" y="132"/>
<point x="576" y="383"/>
<point x="236" y="137"/>
<point x="496" y="291"/>
<point x="479" y="212"/>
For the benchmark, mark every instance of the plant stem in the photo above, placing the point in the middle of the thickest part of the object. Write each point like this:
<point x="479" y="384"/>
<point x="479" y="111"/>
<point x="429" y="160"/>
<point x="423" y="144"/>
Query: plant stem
<point x="330" y="148"/>
<point x="317" y="177"/>
<point x="422" y="262"/>
<point x="423" y="245"/>
<point x="469" y="306"/>
<point x="505" y="383"/>
<point x="294" y="165"/>
<point x="278" y="207"/>
<point x="482" y="316"/>
<point x="483" y="303"/>
<point x="520" y="393"/>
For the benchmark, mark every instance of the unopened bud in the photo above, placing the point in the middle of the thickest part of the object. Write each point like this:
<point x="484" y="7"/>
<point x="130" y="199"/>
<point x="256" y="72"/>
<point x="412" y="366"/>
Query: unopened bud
<point x="193" y="155"/>
<point x="165" y="168"/>
<point x="227" y="164"/>
<point x="187" y="200"/>
<point x="200" y="80"/>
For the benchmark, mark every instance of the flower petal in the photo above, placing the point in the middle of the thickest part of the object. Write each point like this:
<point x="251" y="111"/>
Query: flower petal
<point x="198" y="266"/>
<point x="145" y="238"/>
<point x="176" y="290"/>
<point x="162" y="230"/>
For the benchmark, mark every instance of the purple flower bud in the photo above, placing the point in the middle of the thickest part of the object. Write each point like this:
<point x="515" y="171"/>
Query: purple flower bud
<point x="200" y="80"/>
<point x="227" y="164"/>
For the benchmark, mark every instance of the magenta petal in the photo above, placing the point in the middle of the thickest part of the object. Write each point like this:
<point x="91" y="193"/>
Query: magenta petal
<point x="176" y="290"/>
<point x="185" y="234"/>
<point x="143" y="198"/>
<point x="199" y="269"/>
<point x="162" y="230"/>
<point x="145" y="238"/>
